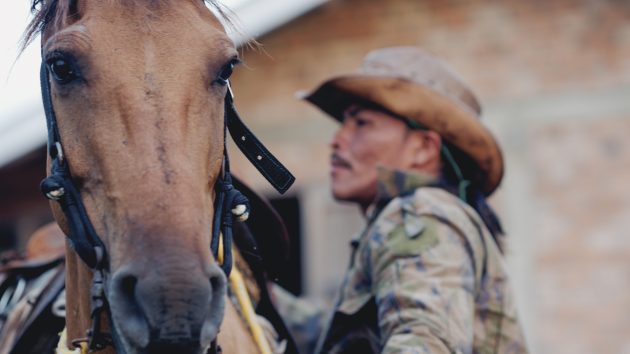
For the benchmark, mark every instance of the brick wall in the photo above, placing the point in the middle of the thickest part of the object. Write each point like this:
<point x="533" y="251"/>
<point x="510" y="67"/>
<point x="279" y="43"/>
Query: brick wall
<point x="582" y="249"/>
<point x="503" y="48"/>
<point x="554" y="79"/>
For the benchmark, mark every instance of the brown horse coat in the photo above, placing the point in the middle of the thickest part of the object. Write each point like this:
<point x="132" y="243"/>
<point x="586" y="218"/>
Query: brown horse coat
<point x="139" y="104"/>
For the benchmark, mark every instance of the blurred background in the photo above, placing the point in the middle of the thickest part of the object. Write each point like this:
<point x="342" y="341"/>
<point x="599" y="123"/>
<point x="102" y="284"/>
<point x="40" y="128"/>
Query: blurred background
<point x="553" y="77"/>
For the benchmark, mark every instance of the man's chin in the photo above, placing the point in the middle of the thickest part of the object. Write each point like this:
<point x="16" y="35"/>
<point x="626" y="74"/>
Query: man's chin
<point x="345" y="196"/>
<point x="363" y="196"/>
<point x="340" y="195"/>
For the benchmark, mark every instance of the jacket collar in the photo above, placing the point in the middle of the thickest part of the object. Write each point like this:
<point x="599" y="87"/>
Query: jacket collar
<point x="396" y="183"/>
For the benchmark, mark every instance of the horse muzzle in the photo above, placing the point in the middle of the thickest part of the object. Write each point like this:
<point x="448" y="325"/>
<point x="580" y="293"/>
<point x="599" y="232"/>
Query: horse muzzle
<point x="160" y="309"/>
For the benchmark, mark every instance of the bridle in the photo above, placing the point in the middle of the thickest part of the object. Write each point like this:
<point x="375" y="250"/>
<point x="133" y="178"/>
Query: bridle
<point x="229" y="202"/>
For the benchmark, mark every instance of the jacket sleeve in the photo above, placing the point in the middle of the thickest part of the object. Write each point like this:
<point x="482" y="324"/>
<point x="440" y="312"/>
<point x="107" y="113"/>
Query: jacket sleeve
<point x="424" y="285"/>
<point x="303" y="318"/>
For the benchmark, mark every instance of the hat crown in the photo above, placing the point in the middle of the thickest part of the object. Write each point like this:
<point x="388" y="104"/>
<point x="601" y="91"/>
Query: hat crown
<point x="418" y="66"/>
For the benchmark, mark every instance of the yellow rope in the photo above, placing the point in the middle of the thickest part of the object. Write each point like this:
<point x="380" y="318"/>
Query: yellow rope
<point x="238" y="286"/>
<point x="63" y="349"/>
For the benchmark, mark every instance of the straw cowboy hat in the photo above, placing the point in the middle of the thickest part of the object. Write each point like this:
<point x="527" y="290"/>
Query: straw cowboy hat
<point x="412" y="84"/>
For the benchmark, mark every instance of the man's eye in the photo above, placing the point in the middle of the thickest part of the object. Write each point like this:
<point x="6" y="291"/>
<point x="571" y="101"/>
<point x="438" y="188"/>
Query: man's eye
<point x="361" y="122"/>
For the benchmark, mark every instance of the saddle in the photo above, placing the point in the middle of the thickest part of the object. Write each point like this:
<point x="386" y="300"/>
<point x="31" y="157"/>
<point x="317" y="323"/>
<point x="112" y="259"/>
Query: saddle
<point x="31" y="295"/>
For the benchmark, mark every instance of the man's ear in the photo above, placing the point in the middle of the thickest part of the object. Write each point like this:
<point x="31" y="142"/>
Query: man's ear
<point x="426" y="156"/>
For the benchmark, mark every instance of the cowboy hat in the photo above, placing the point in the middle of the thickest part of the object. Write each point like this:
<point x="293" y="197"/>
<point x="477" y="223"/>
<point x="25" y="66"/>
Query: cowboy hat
<point x="412" y="84"/>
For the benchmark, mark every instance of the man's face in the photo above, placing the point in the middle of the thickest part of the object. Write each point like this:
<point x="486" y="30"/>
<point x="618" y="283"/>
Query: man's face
<point x="366" y="139"/>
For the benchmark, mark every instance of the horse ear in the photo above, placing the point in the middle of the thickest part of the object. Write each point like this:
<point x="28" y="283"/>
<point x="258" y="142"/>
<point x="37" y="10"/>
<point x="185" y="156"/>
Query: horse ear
<point x="268" y="229"/>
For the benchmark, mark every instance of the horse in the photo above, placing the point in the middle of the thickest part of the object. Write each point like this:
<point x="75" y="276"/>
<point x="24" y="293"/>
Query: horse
<point x="138" y="104"/>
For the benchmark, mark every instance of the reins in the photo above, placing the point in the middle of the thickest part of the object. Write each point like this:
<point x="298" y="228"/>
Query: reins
<point x="229" y="202"/>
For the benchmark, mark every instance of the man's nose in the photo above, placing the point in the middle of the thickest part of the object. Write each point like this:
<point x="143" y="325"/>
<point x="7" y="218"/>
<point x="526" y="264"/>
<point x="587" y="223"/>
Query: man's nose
<point x="334" y="143"/>
<point x="340" y="137"/>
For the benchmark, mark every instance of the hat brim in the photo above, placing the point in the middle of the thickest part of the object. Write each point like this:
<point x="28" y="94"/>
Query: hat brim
<point x="456" y="124"/>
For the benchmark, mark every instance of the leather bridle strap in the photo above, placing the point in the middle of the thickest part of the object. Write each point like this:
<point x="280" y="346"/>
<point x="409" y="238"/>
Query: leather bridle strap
<point x="83" y="238"/>
<point x="227" y="197"/>
<point x="60" y="187"/>
<point x="275" y="173"/>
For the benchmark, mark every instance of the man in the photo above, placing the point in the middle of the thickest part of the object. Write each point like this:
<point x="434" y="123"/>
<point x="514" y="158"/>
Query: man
<point x="426" y="274"/>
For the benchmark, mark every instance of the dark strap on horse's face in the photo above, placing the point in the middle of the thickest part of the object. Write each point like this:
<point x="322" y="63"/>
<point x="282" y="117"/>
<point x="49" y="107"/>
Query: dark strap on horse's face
<point x="227" y="197"/>
<point x="60" y="187"/>
<point x="83" y="238"/>
<point x="264" y="161"/>
<point x="51" y="119"/>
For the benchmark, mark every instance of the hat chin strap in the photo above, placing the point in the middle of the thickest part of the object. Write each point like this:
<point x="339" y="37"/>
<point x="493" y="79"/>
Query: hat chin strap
<point x="462" y="183"/>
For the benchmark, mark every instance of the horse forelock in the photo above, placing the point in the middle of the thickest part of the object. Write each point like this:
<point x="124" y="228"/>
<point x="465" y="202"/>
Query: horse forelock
<point x="53" y="13"/>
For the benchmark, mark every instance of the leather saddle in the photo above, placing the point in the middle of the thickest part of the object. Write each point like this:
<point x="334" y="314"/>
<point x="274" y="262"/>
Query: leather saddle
<point x="32" y="309"/>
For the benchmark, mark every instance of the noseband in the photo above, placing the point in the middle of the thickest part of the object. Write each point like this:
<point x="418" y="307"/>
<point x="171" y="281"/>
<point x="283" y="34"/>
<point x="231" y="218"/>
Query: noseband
<point x="229" y="202"/>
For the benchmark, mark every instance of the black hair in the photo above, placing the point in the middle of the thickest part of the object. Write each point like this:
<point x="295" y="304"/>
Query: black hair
<point x="461" y="176"/>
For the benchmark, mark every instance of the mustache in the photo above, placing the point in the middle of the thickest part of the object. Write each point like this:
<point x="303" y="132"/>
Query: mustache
<point x="337" y="160"/>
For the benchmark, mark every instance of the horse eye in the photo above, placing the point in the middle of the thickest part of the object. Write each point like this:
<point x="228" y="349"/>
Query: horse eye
<point x="226" y="72"/>
<point x="62" y="70"/>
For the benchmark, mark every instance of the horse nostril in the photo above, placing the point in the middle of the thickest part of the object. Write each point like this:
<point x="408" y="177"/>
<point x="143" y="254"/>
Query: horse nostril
<point x="216" y="282"/>
<point x="128" y="287"/>
<point x="129" y="314"/>
<point x="218" y="288"/>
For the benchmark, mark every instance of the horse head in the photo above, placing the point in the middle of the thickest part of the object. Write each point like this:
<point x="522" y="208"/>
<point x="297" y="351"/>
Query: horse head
<point x="138" y="89"/>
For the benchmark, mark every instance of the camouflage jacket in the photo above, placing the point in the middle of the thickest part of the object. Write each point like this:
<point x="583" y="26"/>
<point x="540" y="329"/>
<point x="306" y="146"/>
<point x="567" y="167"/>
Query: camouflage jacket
<point x="426" y="276"/>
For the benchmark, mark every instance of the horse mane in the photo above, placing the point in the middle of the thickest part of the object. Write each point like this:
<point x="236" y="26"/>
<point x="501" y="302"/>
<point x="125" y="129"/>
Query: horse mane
<point x="47" y="12"/>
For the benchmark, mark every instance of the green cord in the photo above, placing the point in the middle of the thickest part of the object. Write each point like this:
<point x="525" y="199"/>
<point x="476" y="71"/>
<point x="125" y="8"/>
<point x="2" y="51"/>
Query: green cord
<point x="414" y="125"/>
<point x="463" y="183"/>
